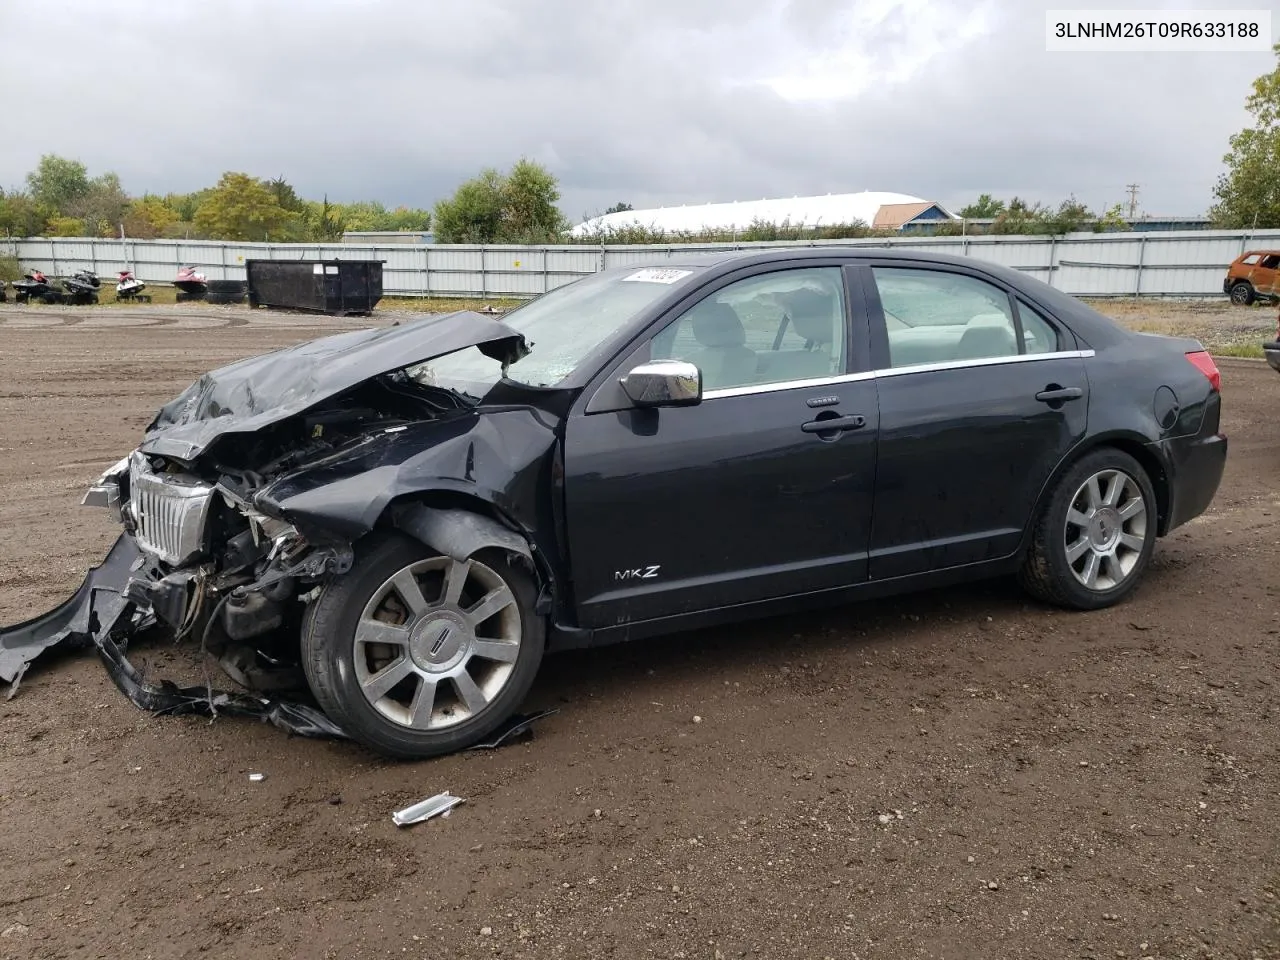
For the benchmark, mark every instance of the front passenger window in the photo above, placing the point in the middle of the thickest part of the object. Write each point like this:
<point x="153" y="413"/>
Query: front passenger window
<point x="772" y="328"/>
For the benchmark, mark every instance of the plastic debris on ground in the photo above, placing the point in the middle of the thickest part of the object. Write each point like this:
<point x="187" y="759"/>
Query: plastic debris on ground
<point x="520" y="725"/>
<point x="439" y="805"/>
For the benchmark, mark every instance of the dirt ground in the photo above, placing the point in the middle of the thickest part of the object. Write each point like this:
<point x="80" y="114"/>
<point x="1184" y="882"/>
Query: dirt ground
<point x="949" y="775"/>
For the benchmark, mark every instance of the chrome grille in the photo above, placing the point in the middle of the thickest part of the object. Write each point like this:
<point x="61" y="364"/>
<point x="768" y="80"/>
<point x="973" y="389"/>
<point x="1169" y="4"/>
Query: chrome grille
<point x="170" y="513"/>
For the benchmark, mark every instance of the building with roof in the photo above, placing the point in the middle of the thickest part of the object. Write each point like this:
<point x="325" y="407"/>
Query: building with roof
<point x="886" y="211"/>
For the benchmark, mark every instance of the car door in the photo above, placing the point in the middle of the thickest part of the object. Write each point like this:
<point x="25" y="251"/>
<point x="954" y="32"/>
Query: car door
<point x="761" y="490"/>
<point x="1264" y="275"/>
<point x="981" y="395"/>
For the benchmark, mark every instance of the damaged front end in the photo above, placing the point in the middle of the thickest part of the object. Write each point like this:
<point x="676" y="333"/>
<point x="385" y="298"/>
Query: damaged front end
<point x="207" y="555"/>
<point x="166" y="573"/>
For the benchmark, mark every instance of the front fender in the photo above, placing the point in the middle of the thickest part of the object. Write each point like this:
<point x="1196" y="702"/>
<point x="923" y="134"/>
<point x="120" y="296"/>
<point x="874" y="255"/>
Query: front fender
<point x="456" y="533"/>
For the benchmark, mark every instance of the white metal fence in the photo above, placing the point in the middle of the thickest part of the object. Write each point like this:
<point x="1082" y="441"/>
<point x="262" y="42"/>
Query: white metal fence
<point x="1176" y="264"/>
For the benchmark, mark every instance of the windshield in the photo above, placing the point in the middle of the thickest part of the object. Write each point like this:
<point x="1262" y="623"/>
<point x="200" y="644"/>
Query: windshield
<point x="561" y="326"/>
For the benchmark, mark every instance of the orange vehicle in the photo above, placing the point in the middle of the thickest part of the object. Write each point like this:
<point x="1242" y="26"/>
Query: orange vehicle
<point x="1254" y="275"/>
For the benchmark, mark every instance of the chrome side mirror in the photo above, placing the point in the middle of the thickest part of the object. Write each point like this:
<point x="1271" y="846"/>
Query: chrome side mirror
<point x="663" y="383"/>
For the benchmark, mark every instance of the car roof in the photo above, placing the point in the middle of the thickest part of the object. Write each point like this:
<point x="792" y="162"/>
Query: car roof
<point x="744" y="257"/>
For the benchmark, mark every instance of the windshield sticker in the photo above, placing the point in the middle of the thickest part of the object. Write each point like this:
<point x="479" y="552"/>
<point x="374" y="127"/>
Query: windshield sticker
<point x="658" y="276"/>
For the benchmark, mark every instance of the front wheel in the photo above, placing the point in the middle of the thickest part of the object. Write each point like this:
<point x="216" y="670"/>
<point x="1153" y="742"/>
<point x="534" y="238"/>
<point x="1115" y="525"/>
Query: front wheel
<point x="1095" y="535"/>
<point x="415" y="654"/>
<point x="1242" y="294"/>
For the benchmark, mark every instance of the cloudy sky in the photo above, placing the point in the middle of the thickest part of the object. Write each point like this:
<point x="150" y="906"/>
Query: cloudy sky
<point x="648" y="101"/>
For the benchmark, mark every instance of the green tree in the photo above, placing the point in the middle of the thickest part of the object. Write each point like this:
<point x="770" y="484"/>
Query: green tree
<point x="985" y="207"/>
<point x="529" y="196"/>
<point x="101" y="208"/>
<point x="241" y="207"/>
<point x="1070" y="216"/>
<point x="516" y="207"/>
<point x="19" y="215"/>
<point x="474" y="213"/>
<point x="285" y="195"/>
<point x="148" y="217"/>
<point x="185" y="204"/>
<point x="329" y="222"/>
<point x="408" y="218"/>
<point x="1019" y="217"/>
<point x="1112" y="219"/>
<point x="1248" y="194"/>
<point x="56" y="182"/>
<point x="622" y="207"/>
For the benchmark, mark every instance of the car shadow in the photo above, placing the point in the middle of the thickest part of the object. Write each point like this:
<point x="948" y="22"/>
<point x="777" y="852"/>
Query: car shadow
<point x="773" y="642"/>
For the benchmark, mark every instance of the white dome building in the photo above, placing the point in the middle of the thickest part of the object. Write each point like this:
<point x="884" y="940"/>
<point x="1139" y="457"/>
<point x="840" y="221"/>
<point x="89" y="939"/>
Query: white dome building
<point x="890" y="211"/>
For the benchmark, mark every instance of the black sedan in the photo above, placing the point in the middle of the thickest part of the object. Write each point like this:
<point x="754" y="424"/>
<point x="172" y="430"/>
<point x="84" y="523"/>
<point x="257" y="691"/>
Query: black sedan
<point x="409" y="517"/>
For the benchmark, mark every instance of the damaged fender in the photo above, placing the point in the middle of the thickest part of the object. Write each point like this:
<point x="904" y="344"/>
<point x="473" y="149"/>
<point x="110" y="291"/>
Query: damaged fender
<point x="457" y="534"/>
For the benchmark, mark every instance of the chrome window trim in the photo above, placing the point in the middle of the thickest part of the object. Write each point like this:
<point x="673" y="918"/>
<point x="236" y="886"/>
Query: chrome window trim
<point x="893" y="372"/>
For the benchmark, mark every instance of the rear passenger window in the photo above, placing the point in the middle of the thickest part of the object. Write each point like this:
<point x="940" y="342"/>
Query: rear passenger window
<point x="937" y="317"/>
<point x="1038" y="334"/>
<point x="1270" y="261"/>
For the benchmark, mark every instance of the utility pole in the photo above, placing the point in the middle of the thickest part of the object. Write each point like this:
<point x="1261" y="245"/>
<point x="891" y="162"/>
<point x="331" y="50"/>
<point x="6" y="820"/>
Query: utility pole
<point x="1133" y="200"/>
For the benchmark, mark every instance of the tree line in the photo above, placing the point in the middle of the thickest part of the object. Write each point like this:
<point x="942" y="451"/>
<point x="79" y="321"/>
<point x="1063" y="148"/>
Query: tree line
<point x="62" y="200"/>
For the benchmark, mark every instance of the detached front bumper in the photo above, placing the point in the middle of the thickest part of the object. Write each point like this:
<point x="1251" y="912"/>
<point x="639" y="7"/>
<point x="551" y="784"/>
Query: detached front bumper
<point x="96" y="607"/>
<point x="104" y="614"/>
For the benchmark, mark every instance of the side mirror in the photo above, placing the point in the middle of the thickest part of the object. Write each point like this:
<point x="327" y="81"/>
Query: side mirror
<point x="663" y="383"/>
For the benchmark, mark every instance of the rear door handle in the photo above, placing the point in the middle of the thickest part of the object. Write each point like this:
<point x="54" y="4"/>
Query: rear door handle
<point x="832" y="424"/>
<point x="1056" y="394"/>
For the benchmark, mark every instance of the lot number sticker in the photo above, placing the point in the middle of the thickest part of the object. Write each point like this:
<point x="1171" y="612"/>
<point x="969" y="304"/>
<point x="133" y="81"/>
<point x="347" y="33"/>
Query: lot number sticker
<point x="658" y="276"/>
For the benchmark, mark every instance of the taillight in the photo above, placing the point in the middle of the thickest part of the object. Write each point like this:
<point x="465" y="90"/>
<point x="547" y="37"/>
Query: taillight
<point x="1201" y="360"/>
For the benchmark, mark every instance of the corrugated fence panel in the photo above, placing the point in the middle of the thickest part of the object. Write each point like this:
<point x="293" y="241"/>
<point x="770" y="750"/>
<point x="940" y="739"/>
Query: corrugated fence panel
<point x="1184" y="263"/>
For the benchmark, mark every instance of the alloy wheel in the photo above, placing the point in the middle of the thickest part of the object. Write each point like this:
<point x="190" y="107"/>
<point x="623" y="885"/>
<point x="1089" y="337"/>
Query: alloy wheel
<point x="1106" y="530"/>
<point x="437" y="642"/>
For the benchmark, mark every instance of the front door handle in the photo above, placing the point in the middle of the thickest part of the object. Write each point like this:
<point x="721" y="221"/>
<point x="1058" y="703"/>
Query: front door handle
<point x="1056" y="394"/>
<point x="833" y="424"/>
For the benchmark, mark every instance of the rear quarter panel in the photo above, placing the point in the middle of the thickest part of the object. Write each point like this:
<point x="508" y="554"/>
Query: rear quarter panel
<point x="1146" y="398"/>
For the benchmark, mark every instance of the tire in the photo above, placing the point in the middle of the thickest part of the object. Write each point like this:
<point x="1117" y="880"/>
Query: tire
<point x="226" y="291"/>
<point x="1051" y="574"/>
<point x="374" y="690"/>
<point x="1242" y="294"/>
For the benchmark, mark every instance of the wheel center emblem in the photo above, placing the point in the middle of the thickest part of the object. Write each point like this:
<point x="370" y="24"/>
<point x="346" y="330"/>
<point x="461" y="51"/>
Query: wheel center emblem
<point x="437" y="642"/>
<point x="1105" y="529"/>
<point x="440" y="641"/>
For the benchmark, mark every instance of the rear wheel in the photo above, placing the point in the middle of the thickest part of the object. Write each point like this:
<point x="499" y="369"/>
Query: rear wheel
<point x="416" y="654"/>
<point x="1242" y="294"/>
<point x="1095" y="534"/>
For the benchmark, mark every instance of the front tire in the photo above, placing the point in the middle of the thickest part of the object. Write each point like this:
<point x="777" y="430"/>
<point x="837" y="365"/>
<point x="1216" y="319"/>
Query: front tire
<point x="417" y="655"/>
<point x="1242" y="294"/>
<point x="1094" y="536"/>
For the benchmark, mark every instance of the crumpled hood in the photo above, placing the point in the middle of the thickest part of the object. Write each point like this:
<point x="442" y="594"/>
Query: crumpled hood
<point x="253" y="393"/>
